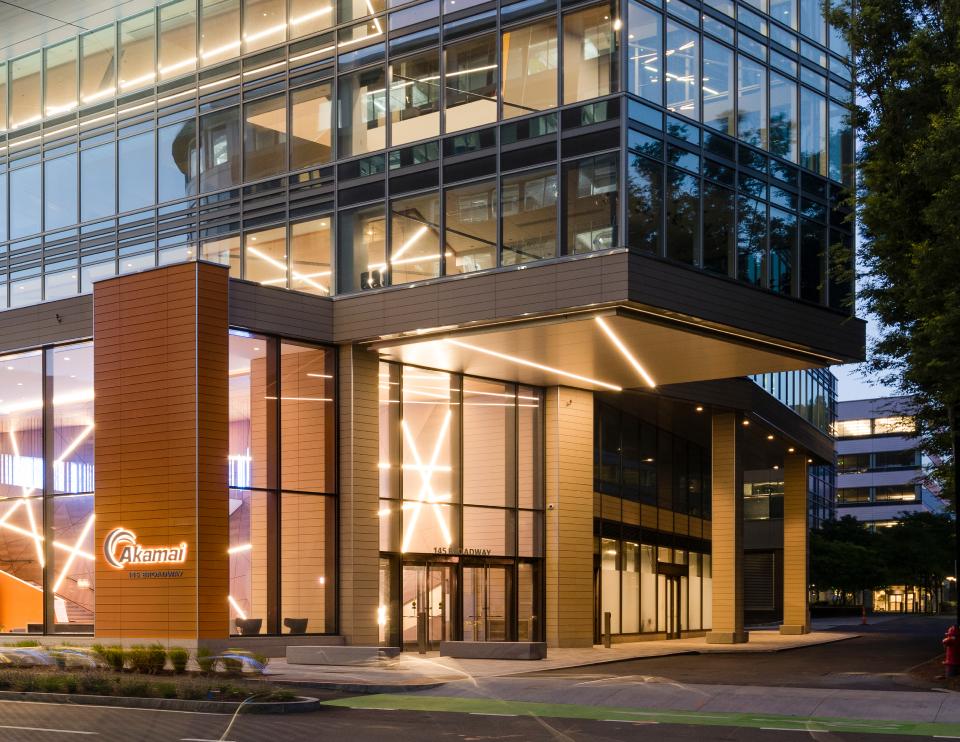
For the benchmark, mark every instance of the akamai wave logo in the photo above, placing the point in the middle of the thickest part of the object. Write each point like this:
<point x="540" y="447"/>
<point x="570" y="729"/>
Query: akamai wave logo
<point x="120" y="548"/>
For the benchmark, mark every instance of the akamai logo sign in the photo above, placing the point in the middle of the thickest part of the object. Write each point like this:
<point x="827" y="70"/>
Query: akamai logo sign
<point x="120" y="548"/>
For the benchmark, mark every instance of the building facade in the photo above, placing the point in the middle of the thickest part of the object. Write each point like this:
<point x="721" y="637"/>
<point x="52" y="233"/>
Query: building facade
<point x="339" y="321"/>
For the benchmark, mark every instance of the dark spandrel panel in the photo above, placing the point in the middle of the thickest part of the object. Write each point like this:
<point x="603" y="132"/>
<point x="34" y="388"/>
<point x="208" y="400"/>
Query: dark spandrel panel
<point x="721" y="30"/>
<point x="786" y="199"/>
<point x="587" y="143"/>
<point x="473" y="141"/>
<point x="753" y="159"/>
<point x="413" y="41"/>
<point x="457" y="171"/>
<point x="752" y="186"/>
<point x="528" y="129"/>
<point x="719" y="172"/>
<point x="813" y="209"/>
<point x="783" y="172"/>
<point x="592" y="113"/>
<point x="359" y="194"/>
<point x="812" y="184"/>
<point x="681" y="10"/>
<point x="525" y="9"/>
<point x="530" y="155"/>
<point x="644" y="114"/>
<point x="683" y="130"/>
<point x="418" y="154"/>
<point x="719" y="145"/>
<point x="362" y="168"/>
<point x="422" y="13"/>
<point x="415" y="181"/>
<point x="312" y="50"/>
<point x="464" y="26"/>
<point x="360" y="57"/>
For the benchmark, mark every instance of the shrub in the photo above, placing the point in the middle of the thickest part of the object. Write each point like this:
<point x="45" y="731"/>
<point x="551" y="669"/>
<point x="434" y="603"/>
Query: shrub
<point x="95" y="684"/>
<point x="133" y="688"/>
<point x="156" y="659"/>
<point x="112" y="655"/>
<point x="193" y="691"/>
<point x="26" y="682"/>
<point x="178" y="657"/>
<point x="232" y="665"/>
<point x="139" y="658"/>
<point x="25" y="643"/>
<point x="166" y="690"/>
<point x="205" y="659"/>
<point x="50" y="683"/>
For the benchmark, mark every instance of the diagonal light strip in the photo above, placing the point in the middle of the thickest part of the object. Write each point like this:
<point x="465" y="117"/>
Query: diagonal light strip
<point x="37" y="536"/>
<point x="73" y="553"/>
<point x="237" y="608"/>
<point x="625" y="352"/>
<point x="426" y="494"/>
<point x="532" y="364"/>
<point x="282" y="266"/>
<point x="76" y="442"/>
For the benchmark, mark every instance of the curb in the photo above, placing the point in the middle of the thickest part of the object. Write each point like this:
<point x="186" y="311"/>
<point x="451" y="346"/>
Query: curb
<point x="302" y="704"/>
<point x="361" y="688"/>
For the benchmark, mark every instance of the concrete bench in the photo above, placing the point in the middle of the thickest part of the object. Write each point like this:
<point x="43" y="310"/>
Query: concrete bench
<point x="345" y="655"/>
<point x="494" y="650"/>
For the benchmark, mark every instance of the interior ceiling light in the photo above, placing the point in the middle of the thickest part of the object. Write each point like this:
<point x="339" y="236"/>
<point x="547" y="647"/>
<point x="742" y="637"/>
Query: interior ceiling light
<point x="426" y="495"/>
<point x="532" y="364"/>
<point x="625" y="352"/>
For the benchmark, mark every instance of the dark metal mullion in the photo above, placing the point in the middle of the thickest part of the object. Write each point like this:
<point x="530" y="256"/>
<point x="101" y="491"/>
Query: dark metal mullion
<point x="273" y="486"/>
<point x="49" y="452"/>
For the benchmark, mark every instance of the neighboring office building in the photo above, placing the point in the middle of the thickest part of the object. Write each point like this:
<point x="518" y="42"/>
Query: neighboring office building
<point x="476" y="293"/>
<point x="880" y="476"/>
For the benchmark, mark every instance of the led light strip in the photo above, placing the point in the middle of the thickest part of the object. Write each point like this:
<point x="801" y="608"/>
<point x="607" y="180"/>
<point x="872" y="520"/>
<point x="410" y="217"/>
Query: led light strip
<point x="626" y="353"/>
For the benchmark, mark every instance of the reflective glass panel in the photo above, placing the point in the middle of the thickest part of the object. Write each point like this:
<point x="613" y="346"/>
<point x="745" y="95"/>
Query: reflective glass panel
<point x="265" y="257"/>
<point x="471" y="83"/>
<point x="784" y="119"/>
<point x="645" y="53"/>
<point x="311" y="138"/>
<point x="248" y="561"/>
<point x="489" y="430"/>
<point x="220" y="146"/>
<point x="811" y="20"/>
<point x="783" y="249"/>
<point x="137" y="171"/>
<point x="751" y="239"/>
<point x="219" y="31"/>
<point x="25" y="201"/>
<point x="683" y="77"/>
<point x="415" y="238"/>
<point x="813" y="131"/>
<point x="308" y="585"/>
<point x="752" y="102"/>
<point x="310" y="16"/>
<point x="645" y="203"/>
<point x="248" y="410"/>
<point x="589" y="54"/>
<point x="310" y="248"/>
<point x="841" y="144"/>
<point x="591" y="204"/>
<point x="96" y="272"/>
<point x="73" y="430"/>
<point x="362" y="117"/>
<point x="60" y="192"/>
<point x="97" y="73"/>
<point x="470" y="242"/>
<point x="225" y="251"/>
<point x="98" y="182"/>
<point x="718" y="67"/>
<point x="60" y="79"/>
<point x="73" y="572"/>
<point x="3" y="224"/>
<point x="683" y="216"/>
<point x="361" y="252"/>
<point x="176" y="161"/>
<point x="529" y="60"/>
<point x="529" y="207"/>
<point x="264" y="23"/>
<point x="21" y="561"/>
<point x="307" y="422"/>
<point x="265" y="138"/>
<point x="178" y="39"/>
<point x="3" y="98"/>
<point x="784" y="11"/>
<point x="719" y="234"/>
<point x="25" y="90"/>
<point x="137" y="41"/>
<point x="415" y="98"/>
<point x="349" y="10"/>
<point x="21" y="441"/>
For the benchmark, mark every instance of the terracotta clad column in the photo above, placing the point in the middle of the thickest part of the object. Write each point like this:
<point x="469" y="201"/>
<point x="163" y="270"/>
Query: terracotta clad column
<point x="727" y="531"/>
<point x="160" y="379"/>
<point x="359" y="495"/>
<point x="569" y="500"/>
<point x="796" y="612"/>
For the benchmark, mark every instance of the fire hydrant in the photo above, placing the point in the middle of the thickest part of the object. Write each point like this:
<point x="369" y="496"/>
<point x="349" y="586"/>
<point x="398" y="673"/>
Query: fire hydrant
<point x="952" y="660"/>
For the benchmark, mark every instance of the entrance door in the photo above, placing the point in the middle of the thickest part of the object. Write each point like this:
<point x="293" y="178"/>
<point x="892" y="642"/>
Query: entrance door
<point x="486" y="614"/>
<point x="672" y="606"/>
<point x="427" y="595"/>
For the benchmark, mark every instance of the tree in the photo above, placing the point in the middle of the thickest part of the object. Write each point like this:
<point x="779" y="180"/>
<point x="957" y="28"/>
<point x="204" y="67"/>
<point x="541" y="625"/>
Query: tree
<point x="846" y="557"/>
<point x="919" y="550"/>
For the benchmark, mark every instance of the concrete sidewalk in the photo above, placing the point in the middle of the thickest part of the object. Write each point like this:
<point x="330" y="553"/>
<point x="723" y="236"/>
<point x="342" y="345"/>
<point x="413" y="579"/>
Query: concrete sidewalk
<point x="410" y="671"/>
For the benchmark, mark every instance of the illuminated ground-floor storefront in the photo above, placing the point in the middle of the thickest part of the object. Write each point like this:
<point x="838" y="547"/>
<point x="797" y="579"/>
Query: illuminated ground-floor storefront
<point x="196" y="474"/>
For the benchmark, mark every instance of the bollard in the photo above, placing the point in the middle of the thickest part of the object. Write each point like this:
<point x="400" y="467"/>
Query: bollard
<point x="422" y="632"/>
<point x="607" y="617"/>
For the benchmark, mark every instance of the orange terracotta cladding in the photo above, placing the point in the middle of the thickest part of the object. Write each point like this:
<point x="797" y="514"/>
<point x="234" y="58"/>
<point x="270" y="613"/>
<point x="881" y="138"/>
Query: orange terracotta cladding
<point x="161" y="409"/>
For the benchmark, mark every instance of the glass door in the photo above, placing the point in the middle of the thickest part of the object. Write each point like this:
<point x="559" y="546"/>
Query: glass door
<point x="427" y="591"/>
<point x="486" y="603"/>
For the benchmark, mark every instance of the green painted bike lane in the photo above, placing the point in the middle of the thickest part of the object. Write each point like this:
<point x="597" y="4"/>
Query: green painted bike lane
<point x="493" y="707"/>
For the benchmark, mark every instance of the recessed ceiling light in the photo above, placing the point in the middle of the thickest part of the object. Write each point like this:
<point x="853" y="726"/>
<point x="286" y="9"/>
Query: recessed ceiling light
<point x="699" y="408"/>
<point x="746" y="422"/>
<point x="775" y="466"/>
<point x="791" y="449"/>
<point x="769" y="437"/>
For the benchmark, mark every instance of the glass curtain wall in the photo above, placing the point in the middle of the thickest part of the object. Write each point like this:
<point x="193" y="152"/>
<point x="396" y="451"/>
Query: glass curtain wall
<point x="282" y="512"/>
<point x="47" y="547"/>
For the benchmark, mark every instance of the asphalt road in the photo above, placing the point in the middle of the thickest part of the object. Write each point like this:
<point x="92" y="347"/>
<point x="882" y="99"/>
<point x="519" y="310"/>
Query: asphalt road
<point x="31" y="722"/>
<point x="879" y="659"/>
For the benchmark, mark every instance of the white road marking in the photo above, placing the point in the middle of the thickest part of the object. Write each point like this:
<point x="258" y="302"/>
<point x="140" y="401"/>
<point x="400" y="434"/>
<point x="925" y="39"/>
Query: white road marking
<point x="790" y="729"/>
<point x="480" y="713"/>
<point x="117" y="708"/>
<point x="42" y="729"/>
<point x="629" y="721"/>
<point x="201" y="739"/>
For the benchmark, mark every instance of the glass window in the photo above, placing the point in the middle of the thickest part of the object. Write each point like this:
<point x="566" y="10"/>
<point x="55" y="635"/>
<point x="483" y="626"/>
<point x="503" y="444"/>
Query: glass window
<point x="683" y="64"/>
<point x="309" y="16"/>
<point x="139" y="261"/>
<point x="25" y="90"/>
<point x="645" y="203"/>
<point x="718" y="86"/>
<point x="248" y="561"/>
<point x="21" y="442"/>
<point x="589" y="54"/>
<point x="902" y="424"/>
<point x="60" y="192"/>
<point x="311" y="120"/>
<point x="350" y="10"/>
<point x="248" y="410"/>
<point x="176" y="161"/>
<point x="265" y="257"/>
<point x="591" y="203"/>
<point x="178" y="39"/>
<point x="812" y="23"/>
<point x="25" y="201"/>
<point x="265" y="138"/>
<point x="841" y="144"/>
<point x="645" y="52"/>
<point x="471" y="227"/>
<point x="489" y="423"/>
<point x="21" y="558"/>
<point x="137" y="52"/>
<point x="851" y="428"/>
<point x="784" y="119"/>
<point x="784" y="11"/>
<point x="813" y="131"/>
<point x="719" y="234"/>
<point x="219" y="30"/>
<point x="751" y="240"/>
<point x="362" y="112"/>
<point x="73" y="569"/>
<point x="225" y="251"/>
<point x="137" y="172"/>
<point x="220" y="150"/>
<point x="415" y="238"/>
<point x="683" y="216"/>
<point x="97" y="73"/>
<point x="895" y="460"/>
<point x="3" y="97"/>
<point x="361" y="249"/>
<point x="489" y="528"/>
<point x="96" y="272"/>
<point x="264" y="23"/>
<point x="98" y="182"/>
<point x="3" y="224"/>
<point x="415" y="98"/>
<point x="307" y="583"/>
<point x="529" y="448"/>
<point x="783" y="249"/>
<point x="60" y="78"/>
<point x="529" y="207"/>
<point x="752" y="102"/>
<point x="310" y="246"/>
<point x="73" y="430"/>
<point x="307" y="423"/>
<point x="471" y="83"/>
<point x="529" y="59"/>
